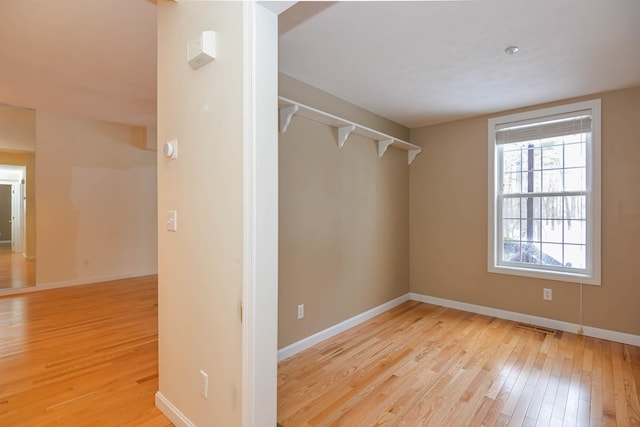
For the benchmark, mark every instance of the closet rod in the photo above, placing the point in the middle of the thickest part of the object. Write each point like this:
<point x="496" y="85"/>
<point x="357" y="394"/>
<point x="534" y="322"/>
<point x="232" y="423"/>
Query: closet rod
<point x="290" y="108"/>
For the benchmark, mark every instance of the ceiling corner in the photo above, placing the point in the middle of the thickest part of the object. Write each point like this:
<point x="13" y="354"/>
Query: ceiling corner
<point x="277" y="7"/>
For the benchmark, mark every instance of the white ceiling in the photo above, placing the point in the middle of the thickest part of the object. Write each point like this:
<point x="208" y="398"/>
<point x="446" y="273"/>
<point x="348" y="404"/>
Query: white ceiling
<point x="93" y="58"/>
<point x="420" y="63"/>
<point x="414" y="62"/>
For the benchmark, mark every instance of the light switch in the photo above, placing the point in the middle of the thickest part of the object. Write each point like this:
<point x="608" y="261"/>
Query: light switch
<point x="172" y="220"/>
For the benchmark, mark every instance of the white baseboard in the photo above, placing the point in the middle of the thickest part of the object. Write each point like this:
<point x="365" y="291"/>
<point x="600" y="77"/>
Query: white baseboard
<point x="78" y="282"/>
<point x="5" y="242"/>
<point x="171" y="412"/>
<point x="29" y="258"/>
<point x="314" y="339"/>
<point x="90" y="280"/>
<point x="534" y="320"/>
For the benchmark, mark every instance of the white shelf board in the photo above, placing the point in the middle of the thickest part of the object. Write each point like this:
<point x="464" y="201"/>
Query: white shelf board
<point x="289" y="108"/>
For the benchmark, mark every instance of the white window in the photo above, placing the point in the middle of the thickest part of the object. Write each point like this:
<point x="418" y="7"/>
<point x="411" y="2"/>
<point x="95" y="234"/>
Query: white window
<point x="544" y="193"/>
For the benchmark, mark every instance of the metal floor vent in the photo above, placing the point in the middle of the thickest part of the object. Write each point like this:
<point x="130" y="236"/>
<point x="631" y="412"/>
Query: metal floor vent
<point x="537" y="328"/>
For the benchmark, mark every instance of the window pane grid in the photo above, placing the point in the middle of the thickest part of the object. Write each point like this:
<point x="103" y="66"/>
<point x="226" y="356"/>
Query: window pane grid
<point x="544" y="238"/>
<point x="542" y="202"/>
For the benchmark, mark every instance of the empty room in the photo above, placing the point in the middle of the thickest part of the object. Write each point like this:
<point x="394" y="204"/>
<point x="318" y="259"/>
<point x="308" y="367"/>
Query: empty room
<point x="320" y="213"/>
<point x="502" y="301"/>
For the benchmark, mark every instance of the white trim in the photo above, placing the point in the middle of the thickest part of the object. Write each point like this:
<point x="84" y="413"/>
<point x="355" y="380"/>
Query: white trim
<point x="29" y="258"/>
<point x="249" y="213"/>
<point x="316" y="338"/>
<point x="534" y="320"/>
<point x="3" y="242"/>
<point x="594" y="161"/>
<point x="265" y="215"/>
<point x="69" y="283"/>
<point x="171" y="412"/>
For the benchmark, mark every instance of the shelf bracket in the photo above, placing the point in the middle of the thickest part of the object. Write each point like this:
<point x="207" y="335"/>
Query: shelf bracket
<point x="286" y="114"/>
<point x="383" y="145"/>
<point x="411" y="154"/>
<point x="343" y="134"/>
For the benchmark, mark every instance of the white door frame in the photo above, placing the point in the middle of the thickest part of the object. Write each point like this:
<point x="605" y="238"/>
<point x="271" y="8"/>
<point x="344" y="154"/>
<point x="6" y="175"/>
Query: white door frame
<point x="23" y="213"/>
<point x="260" y="170"/>
<point x="17" y="211"/>
<point x="16" y="217"/>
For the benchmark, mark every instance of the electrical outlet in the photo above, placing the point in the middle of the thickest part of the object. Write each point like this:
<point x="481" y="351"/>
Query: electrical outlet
<point x="300" y="311"/>
<point x="204" y="384"/>
<point x="547" y="294"/>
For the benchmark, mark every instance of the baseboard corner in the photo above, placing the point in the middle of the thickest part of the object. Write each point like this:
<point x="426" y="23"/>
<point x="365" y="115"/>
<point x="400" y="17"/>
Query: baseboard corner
<point x="331" y="331"/>
<point x="170" y="411"/>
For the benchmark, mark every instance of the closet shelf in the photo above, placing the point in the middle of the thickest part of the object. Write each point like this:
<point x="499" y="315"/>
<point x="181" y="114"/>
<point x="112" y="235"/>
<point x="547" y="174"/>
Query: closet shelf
<point x="289" y="108"/>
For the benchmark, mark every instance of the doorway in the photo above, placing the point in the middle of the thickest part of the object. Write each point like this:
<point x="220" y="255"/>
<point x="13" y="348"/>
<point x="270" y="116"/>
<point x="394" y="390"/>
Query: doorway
<point x="16" y="270"/>
<point x="11" y="214"/>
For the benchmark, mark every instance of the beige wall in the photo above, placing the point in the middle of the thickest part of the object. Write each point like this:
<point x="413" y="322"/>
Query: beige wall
<point x="17" y="129"/>
<point x="449" y="224"/>
<point x="297" y="90"/>
<point x="200" y="265"/>
<point x="96" y="198"/>
<point x="344" y="229"/>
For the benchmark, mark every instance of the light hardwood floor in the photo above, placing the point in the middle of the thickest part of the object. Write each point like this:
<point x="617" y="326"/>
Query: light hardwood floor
<point x="15" y="270"/>
<point x="424" y="365"/>
<point x="81" y="356"/>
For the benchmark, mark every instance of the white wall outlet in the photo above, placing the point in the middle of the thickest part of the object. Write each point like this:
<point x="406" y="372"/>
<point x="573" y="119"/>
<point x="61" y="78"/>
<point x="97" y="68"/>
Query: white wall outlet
<point x="300" y="311"/>
<point x="204" y="384"/>
<point x="172" y="220"/>
<point x="547" y="294"/>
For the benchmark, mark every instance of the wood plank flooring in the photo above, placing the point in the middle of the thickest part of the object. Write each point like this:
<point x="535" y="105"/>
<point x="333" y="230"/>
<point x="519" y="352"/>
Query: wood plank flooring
<point x="15" y="270"/>
<point x="81" y="356"/>
<point x="425" y="365"/>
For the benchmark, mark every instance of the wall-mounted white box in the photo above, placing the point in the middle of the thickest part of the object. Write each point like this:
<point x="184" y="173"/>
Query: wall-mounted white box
<point x="202" y="49"/>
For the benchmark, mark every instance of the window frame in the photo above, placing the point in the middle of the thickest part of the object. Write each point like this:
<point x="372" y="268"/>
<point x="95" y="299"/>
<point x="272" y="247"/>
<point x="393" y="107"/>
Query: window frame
<point x="592" y="274"/>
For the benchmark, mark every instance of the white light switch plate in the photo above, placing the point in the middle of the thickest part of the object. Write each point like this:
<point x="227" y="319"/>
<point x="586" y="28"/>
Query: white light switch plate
<point x="172" y="220"/>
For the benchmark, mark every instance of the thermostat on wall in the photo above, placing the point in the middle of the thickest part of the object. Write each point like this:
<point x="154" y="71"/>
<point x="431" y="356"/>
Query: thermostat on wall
<point x="202" y="49"/>
<point x="170" y="149"/>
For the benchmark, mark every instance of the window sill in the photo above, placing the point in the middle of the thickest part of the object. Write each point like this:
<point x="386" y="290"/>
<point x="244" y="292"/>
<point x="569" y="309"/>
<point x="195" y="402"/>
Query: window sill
<point x="546" y="275"/>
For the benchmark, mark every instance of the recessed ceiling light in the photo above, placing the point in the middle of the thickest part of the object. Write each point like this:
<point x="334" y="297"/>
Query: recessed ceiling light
<point x="512" y="50"/>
